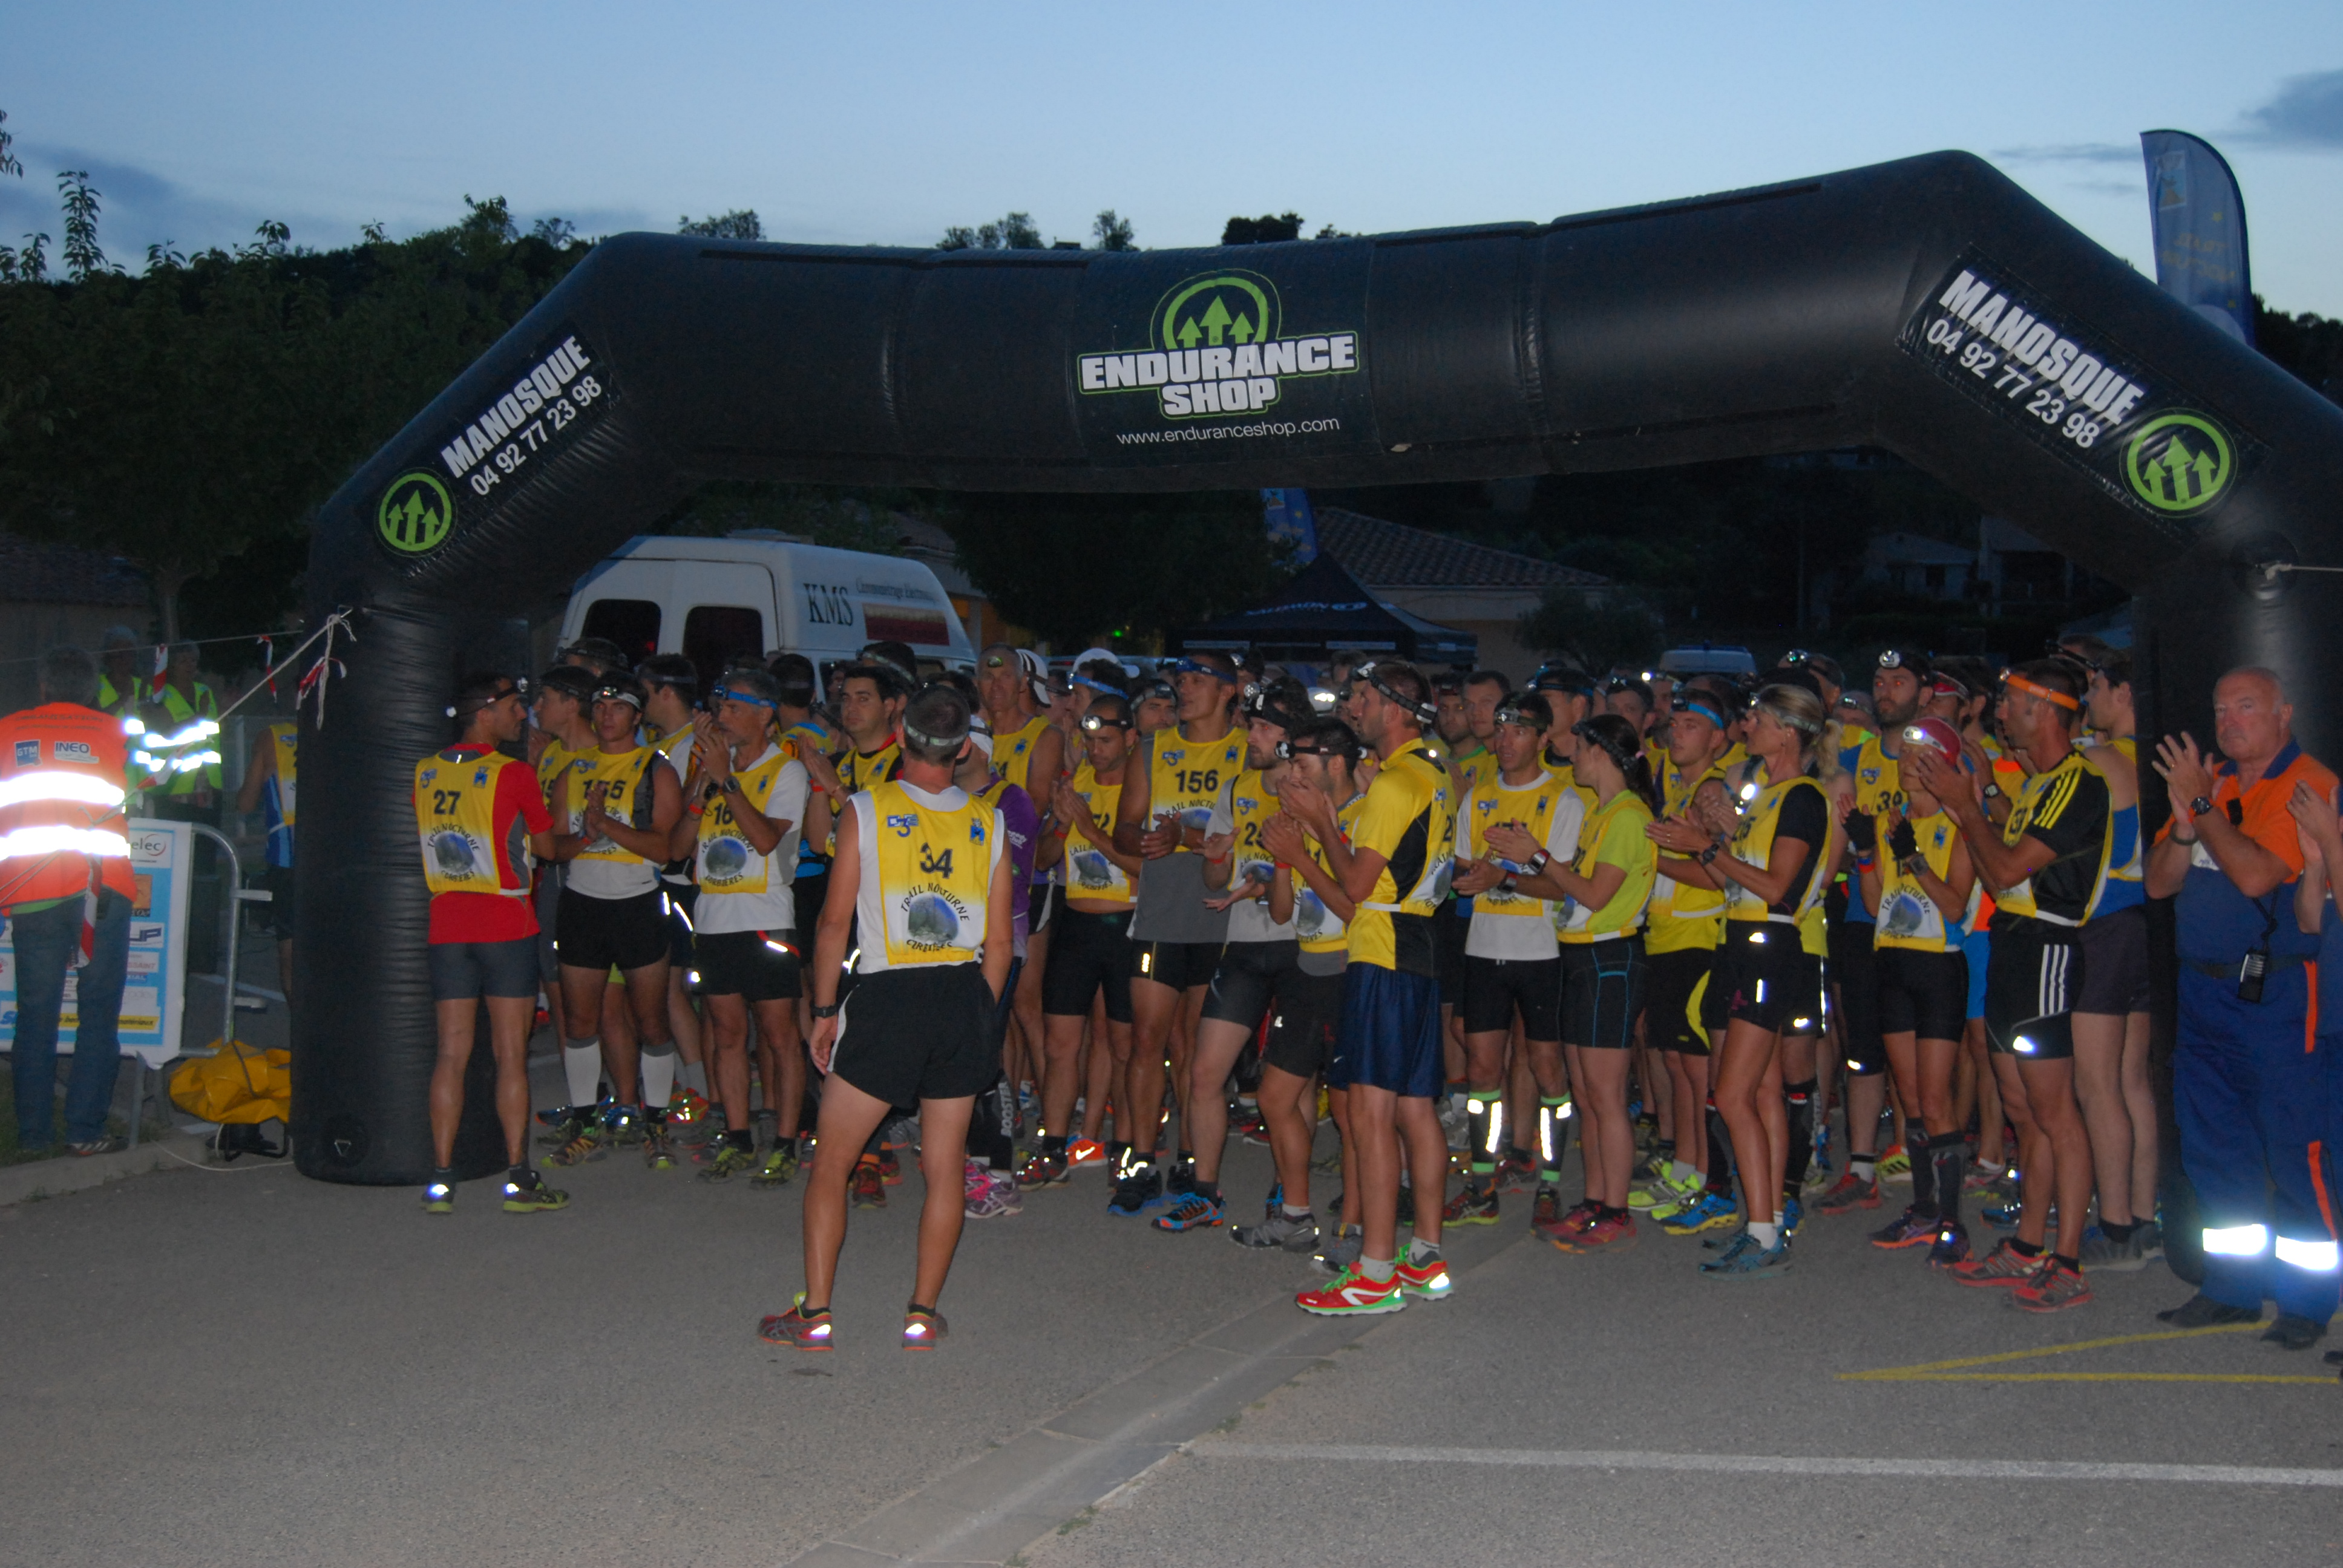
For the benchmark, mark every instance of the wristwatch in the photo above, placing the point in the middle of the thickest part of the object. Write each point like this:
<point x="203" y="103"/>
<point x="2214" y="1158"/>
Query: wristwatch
<point x="731" y="784"/>
<point x="1510" y="885"/>
<point x="1914" y="865"/>
<point x="830" y="1011"/>
<point x="2200" y="806"/>
<point x="1993" y="791"/>
<point x="1708" y="855"/>
<point x="1539" y="861"/>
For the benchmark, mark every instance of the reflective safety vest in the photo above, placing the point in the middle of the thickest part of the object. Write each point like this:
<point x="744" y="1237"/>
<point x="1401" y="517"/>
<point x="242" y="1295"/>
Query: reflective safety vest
<point x="184" y="758"/>
<point x="729" y="863"/>
<point x="276" y="796"/>
<point x="454" y="817"/>
<point x="64" y="823"/>
<point x="935" y="876"/>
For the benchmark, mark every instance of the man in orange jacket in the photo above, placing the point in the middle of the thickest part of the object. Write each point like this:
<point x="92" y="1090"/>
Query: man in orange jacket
<point x="66" y="885"/>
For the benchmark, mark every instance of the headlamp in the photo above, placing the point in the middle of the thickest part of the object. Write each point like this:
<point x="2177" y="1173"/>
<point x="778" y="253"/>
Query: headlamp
<point x="1371" y="672"/>
<point x="1093" y="722"/>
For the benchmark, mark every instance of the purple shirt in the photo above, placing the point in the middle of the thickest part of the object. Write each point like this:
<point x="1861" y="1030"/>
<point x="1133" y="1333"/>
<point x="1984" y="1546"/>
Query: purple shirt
<point x="1023" y="826"/>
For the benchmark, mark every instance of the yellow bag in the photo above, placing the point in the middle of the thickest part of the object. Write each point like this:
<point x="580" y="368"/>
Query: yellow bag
<point x="241" y="1085"/>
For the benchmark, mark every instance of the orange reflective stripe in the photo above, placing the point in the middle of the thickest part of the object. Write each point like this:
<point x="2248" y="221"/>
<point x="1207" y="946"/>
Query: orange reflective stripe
<point x="2318" y="1183"/>
<point x="2311" y="1022"/>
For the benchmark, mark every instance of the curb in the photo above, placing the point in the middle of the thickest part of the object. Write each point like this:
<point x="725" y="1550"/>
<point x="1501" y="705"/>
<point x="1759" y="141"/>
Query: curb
<point x="53" y="1178"/>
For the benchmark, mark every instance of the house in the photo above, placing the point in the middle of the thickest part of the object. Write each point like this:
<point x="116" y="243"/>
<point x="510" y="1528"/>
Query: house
<point x="1453" y="582"/>
<point x="52" y="594"/>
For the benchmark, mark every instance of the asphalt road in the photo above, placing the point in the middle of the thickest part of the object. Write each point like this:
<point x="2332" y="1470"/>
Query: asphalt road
<point x="243" y="1367"/>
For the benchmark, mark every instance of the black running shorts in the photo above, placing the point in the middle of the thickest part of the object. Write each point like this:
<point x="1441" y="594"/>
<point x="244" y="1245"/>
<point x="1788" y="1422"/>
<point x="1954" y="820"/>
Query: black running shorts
<point x="1923" y="994"/>
<point x="922" y="1033"/>
<point x="1251" y="976"/>
<point x="1669" y="981"/>
<point x="1449" y="931"/>
<point x="1762" y="976"/>
<point x="2030" y="984"/>
<point x="2115" y="963"/>
<point x="1495" y="987"/>
<point x="465" y="971"/>
<point x="682" y="898"/>
<point x="757" y="966"/>
<point x="1303" y="1029"/>
<point x="1045" y="904"/>
<point x="1178" y="965"/>
<point x="1090" y="953"/>
<point x="1854" y="976"/>
<point x="601" y="933"/>
<point x="1601" y="992"/>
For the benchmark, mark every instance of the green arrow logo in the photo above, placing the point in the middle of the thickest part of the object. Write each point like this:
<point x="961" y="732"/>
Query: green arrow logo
<point x="1216" y="309"/>
<point x="415" y="514"/>
<point x="2180" y="462"/>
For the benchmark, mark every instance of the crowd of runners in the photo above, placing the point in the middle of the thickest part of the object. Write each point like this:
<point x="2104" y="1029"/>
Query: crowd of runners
<point x="1772" y="952"/>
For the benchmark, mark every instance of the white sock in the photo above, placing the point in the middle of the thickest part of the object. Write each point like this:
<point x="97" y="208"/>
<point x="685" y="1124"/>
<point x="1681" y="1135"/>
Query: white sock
<point x="694" y="1077"/>
<point x="1376" y="1269"/>
<point x="1768" y="1234"/>
<point x="659" y="1079"/>
<point x="1293" y="1213"/>
<point x="581" y="1063"/>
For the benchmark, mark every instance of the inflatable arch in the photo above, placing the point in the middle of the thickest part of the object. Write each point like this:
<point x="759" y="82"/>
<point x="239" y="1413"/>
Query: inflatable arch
<point x="1928" y="306"/>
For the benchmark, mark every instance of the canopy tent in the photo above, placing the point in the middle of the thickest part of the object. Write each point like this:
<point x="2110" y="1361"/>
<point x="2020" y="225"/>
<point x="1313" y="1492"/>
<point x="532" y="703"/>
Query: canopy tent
<point x="1324" y="608"/>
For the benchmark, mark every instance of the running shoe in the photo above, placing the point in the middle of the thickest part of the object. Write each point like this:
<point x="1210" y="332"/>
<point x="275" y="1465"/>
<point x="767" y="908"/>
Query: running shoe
<point x="1714" y="1211"/>
<point x="1083" y="1153"/>
<point x="1043" y="1169"/>
<point x="584" y="1141"/>
<point x="780" y="1165"/>
<point x="685" y="1105"/>
<point x="1292" y="1232"/>
<point x="867" y="1186"/>
<point x="1603" y="1235"/>
<point x="2292" y="1332"/>
<point x="1750" y="1261"/>
<point x="1515" y="1174"/>
<point x="807" y="1331"/>
<point x="2053" y="1288"/>
<point x="1895" y="1165"/>
<point x="706" y="1128"/>
<point x="1578" y="1217"/>
<point x="1907" y="1230"/>
<point x="2127" y="1256"/>
<point x="1245" y="1122"/>
<point x="1793" y="1213"/>
<point x="527" y="1194"/>
<point x="2003" y="1216"/>
<point x="659" y="1147"/>
<point x="624" y="1123"/>
<point x="891" y="1169"/>
<point x="897" y="1132"/>
<point x="1664" y="1188"/>
<point x="1951" y="1246"/>
<point x="922" y="1327"/>
<point x="2004" y="1266"/>
<point x="439" y="1198"/>
<point x="1178" y="1182"/>
<point x="1140" y="1186"/>
<point x="1339" y="1253"/>
<point x="1191" y="1211"/>
<point x="728" y="1162"/>
<point x="1851" y="1194"/>
<point x="1352" y="1294"/>
<point x="1983" y="1177"/>
<point x="1547" y="1207"/>
<point x="993" y="1198"/>
<point x="1470" y="1206"/>
<point x="1429" y="1279"/>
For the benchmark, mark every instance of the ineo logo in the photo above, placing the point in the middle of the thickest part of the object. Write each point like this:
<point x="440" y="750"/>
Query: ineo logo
<point x="415" y="514"/>
<point x="1216" y="347"/>
<point x="2179" y="463"/>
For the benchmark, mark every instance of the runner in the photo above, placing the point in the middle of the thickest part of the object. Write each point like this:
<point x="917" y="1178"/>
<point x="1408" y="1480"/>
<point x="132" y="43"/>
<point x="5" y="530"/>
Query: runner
<point x="2045" y="865"/>
<point x="670" y="705"/>
<point x="1093" y="956"/>
<point x="1603" y="890"/>
<point x="269" y="785"/>
<point x="562" y="732"/>
<point x="1319" y="785"/>
<point x="1396" y="866"/>
<point x="1468" y="731"/>
<point x="746" y="796"/>
<point x="802" y="725"/>
<point x="1513" y="963"/>
<point x="1775" y="872"/>
<point x="1159" y="706"/>
<point x="921" y="873"/>
<point x="1160" y="816"/>
<point x="614" y="810"/>
<point x="989" y="1175"/>
<point x="1030" y="752"/>
<point x="1254" y="980"/>
<point x="480" y="819"/>
<point x="1919" y="892"/>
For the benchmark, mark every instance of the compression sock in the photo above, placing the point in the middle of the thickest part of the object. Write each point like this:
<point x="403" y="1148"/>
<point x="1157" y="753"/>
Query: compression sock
<point x="1484" y="1119"/>
<point x="2116" y="1233"/>
<point x="1949" y="1153"/>
<point x="659" y="1076"/>
<point x="2024" y="1248"/>
<point x="1923" y="1174"/>
<point x="1554" y="1133"/>
<point x="742" y="1138"/>
<point x="693" y="1075"/>
<point x="1800" y="1097"/>
<point x="581" y="1064"/>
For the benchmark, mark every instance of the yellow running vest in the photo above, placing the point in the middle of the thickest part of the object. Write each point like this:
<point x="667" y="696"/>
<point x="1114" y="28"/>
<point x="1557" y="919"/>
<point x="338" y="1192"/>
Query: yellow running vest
<point x="729" y="863"/>
<point x="1622" y="823"/>
<point x="935" y="871"/>
<point x="1908" y="917"/>
<point x="628" y="774"/>
<point x="454" y="816"/>
<point x="1753" y="845"/>
<point x="1532" y="806"/>
<point x="1250" y="806"/>
<point x="1314" y="923"/>
<point x="1012" y="754"/>
<point x="1185" y="775"/>
<point x="1090" y="875"/>
<point x="1682" y="918"/>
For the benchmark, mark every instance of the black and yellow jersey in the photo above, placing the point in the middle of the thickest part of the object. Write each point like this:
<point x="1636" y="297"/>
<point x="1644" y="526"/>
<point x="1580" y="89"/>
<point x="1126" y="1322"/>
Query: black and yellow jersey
<point x="1410" y="821"/>
<point x="2066" y="807"/>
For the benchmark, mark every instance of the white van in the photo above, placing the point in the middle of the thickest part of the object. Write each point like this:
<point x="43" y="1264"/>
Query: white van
<point x="757" y="593"/>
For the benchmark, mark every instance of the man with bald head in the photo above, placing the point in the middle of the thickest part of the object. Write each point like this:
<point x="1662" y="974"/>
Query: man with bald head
<point x="2247" y="1084"/>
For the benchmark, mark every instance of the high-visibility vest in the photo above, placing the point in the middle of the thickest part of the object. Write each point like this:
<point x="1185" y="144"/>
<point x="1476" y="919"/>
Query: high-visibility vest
<point x="64" y="827"/>
<point x="194" y="763"/>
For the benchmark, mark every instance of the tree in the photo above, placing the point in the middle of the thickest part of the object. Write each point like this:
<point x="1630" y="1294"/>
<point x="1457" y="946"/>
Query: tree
<point x="83" y="258"/>
<point x="1072" y="567"/>
<point x="1262" y="231"/>
<point x="740" y="223"/>
<point x="1619" y="629"/>
<point x="1014" y="231"/>
<point x="1113" y="233"/>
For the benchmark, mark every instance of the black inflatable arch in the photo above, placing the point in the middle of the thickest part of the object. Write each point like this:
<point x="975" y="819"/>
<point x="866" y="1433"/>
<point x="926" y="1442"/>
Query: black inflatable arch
<point x="1928" y="306"/>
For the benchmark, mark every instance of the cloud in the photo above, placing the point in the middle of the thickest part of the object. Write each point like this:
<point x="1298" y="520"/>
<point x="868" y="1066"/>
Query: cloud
<point x="2073" y="152"/>
<point x="137" y="208"/>
<point x="2307" y="113"/>
<point x="2108" y="187"/>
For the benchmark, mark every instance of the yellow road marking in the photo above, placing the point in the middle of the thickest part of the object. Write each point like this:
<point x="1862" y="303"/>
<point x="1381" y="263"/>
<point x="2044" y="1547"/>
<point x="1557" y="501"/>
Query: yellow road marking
<point x="1949" y="1371"/>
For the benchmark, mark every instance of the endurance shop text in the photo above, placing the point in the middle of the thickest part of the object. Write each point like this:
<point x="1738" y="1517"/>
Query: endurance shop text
<point x="1230" y="380"/>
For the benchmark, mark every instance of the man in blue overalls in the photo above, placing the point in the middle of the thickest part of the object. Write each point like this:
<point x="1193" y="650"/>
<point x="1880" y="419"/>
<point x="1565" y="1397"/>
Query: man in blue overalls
<point x="2248" y="1087"/>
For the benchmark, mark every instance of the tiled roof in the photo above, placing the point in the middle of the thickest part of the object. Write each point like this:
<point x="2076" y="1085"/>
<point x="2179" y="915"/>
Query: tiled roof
<point x="1392" y="555"/>
<point x="64" y="574"/>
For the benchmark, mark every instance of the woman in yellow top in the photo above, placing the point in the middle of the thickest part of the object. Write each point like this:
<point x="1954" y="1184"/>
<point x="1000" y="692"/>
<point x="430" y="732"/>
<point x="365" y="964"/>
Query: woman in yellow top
<point x="1600" y="896"/>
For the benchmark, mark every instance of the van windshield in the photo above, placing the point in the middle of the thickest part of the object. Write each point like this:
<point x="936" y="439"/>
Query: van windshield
<point x="632" y="623"/>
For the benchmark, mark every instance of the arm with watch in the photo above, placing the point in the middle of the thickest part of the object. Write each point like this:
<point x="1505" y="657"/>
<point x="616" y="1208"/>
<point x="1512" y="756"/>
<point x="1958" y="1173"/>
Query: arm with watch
<point x="1549" y="876"/>
<point x="2188" y="783"/>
